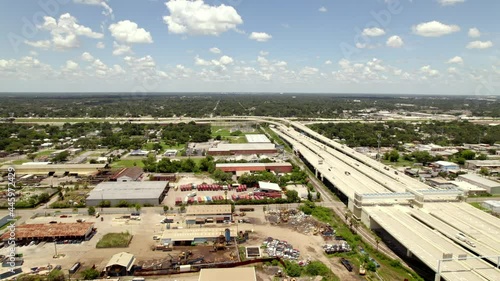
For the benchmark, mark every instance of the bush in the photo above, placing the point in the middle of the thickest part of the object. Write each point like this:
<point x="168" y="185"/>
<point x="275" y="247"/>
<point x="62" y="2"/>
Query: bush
<point x="293" y="269"/>
<point x="91" y="211"/>
<point x="89" y="274"/>
<point x="316" y="268"/>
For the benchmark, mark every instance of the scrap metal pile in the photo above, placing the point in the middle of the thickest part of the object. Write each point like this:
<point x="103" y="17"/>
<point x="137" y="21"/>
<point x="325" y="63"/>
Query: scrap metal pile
<point x="340" y="247"/>
<point x="282" y="249"/>
<point x="300" y="222"/>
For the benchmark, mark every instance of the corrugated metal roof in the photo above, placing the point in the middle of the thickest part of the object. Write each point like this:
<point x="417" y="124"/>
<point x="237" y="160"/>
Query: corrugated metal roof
<point x="128" y="190"/>
<point x="257" y="138"/>
<point x="193" y="210"/>
<point x="122" y="259"/>
<point x="50" y="230"/>
<point x="269" y="186"/>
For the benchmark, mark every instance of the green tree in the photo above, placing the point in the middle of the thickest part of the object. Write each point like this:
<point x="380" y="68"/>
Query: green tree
<point x="221" y="176"/>
<point x="316" y="268"/>
<point x="61" y="157"/>
<point x="56" y="275"/>
<point x="484" y="171"/>
<point x="482" y="156"/>
<point x="105" y="203"/>
<point x="91" y="210"/>
<point x="292" y="196"/>
<point x="422" y="156"/>
<point x="394" y="156"/>
<point x="371" y="266"/>
<point x="468" y="154"/>
<point x="89" y="274"/>
<point x="137" y="207"/>
<point x="44" y="197"/>
<point x="123" y="203"/>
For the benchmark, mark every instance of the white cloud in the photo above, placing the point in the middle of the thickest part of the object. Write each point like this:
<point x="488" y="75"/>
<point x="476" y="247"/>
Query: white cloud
<point x="474" y="33"/>
<point x="308" y="71"/>
<point x="373" y="32"/>
<point x="452" y="70"/>
<point x="128" y="32"/>
<point x="262" y="61"/>
<point x="434" y="29"/>
<point x="449" y="2"/>
<point x="260" y="36"/>
<point x="428" y="71"/>
<point x="215" y="50"/>
<point x="395" y="42"/>
<point x="225" y="60"/>
<point x="71" y="65"/>
<point x="42" y="44"/>
<point x="328" y="62"/>
<point x="263" y="53"/>
<point x="479" y="45"/>
<point x="33" y="53"/>
<point x="107" y="9"/>
<point x="323" y="9"/>
<point x="281" y="64"/>
<point x="198" y="18"/>
<point x="100" y="45"/>
<point x="86" y="56"/>
<point x="119" y="50"/>
<point x="456" y="59"/>
<point x="66" y="30"/>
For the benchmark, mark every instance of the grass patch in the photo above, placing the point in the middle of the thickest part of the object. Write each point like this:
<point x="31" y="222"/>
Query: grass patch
<point x="19" y="162"/>
<point x="236" y="139"/>
<point x="9" y="222"/>
<point x="115" y="240"/>
<point x="401" y="163"/>
<point x="127" y="163"/>
<point x="220" y="131"/>
<point x="45" y="152"/>
<point x="480" y="207"/>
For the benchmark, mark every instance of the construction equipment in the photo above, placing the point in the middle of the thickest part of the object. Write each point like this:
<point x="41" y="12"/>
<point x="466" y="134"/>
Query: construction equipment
<point x="220" y="243"/>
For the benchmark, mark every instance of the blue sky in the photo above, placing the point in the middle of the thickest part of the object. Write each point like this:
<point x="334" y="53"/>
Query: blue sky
<point x="330" y="46"/>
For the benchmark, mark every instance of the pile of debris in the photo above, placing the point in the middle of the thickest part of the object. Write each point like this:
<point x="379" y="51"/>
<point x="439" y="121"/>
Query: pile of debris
<point x="282" y="249"/>
<point x="340" y="247"/>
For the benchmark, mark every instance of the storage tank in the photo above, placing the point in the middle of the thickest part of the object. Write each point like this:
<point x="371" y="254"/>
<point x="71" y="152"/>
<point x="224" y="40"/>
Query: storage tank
<point x="228" y="235"/>
<point x="185" y="268"/>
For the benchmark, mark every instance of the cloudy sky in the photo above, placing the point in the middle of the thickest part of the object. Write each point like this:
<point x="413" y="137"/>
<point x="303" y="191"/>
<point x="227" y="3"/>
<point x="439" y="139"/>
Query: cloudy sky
<point x="330" y="46"/>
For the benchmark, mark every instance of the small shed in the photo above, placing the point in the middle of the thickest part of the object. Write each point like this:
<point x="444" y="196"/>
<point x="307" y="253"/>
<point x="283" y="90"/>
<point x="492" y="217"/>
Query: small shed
<point x="120" y="264"/>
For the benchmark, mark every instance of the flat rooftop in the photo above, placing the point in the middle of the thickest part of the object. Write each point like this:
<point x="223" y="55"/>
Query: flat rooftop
<point x="480" y="180"/>
<point x="190" y="234"/>
<point x="128" y="190"/>
<point x="243" y="146"/>
<point x="194" y="210"/>
<point x="50" y="230"/>
<point x="465" y="186"/>
<point x="230" y="165"/>
<point x="257" y="138"/>
<point x="228" y="274"/>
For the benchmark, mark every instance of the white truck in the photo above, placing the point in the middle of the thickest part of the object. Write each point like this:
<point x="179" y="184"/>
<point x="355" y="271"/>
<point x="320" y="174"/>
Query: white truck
<point x="460" y="236"/>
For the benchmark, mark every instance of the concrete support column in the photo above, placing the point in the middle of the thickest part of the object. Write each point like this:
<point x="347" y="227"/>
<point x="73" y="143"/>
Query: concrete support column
<point x="316" y="172"/>
<point x="409" y="253"/>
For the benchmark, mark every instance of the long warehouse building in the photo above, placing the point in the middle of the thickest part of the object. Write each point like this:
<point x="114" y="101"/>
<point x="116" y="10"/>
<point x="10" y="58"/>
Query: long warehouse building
<point x="143" y="193"/>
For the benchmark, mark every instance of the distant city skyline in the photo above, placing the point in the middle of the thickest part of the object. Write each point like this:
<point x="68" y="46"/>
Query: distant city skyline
<point x="426" y="47"/>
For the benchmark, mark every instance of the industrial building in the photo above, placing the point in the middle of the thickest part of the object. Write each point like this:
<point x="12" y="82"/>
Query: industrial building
<point x="51" y="232"/>
<point x="493" y="205"/>
<point x="128" y="174"/>
<point x="257" y="138"/>
<point x="196" y="235"/>
<point x="445" y="166"/>
<point x="144" y="192"/>
<point x="120" y="264"/>
<point x="301" y="189"/>
<point x="492" y="187"/>
<point x="269" y="186"/>
<point x="491" y="165"/>
<point x="217" y="213"/>
<point x="57" y="169"/>
<point x="242" y="149"/>
<point x="241" y="168"/>
<point x="228" y="274"/>
<point x="468" y="188"/>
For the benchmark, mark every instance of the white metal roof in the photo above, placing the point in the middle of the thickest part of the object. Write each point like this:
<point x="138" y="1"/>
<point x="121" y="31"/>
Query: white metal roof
<point x="465" y="186"/>
<point x="243" y="146"/>
<point x="257" y="138"/>
<point x="480" y="180"/>
<point x="128" y="190"/>
<point x="269" y="186"/>
<point x="208" y="209"/>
